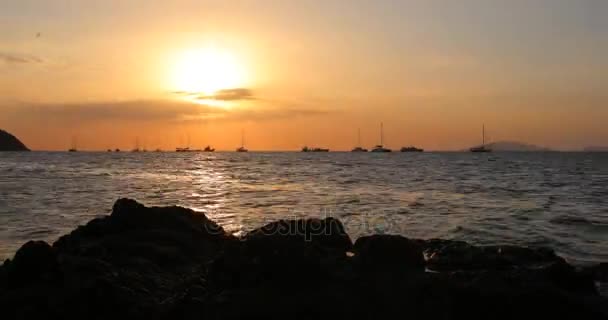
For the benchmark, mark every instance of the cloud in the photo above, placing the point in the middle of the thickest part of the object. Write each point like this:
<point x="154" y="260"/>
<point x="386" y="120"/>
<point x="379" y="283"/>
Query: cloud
<point x="229" y="95"/>
<point x="234" y="94"/>
<point x="169" y="111"/>
<point x="132" y="110"/>
<point x="262" y="114"/>
<point x="14" y="58"/>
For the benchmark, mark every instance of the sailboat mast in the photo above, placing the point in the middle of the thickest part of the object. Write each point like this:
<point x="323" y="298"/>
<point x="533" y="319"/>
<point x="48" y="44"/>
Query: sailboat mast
<point x="483" y="135"/>
<point x="381" y="134"/>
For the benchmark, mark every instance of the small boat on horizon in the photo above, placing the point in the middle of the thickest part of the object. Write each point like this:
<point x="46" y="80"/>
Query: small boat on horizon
<point x="242" y="147"/>
<point x="358" y="148"/>
<point x="187" y="149"/>
<point x="307" y="149"/>
<point x="208" y="149"/>
<point x="136" y="149"/>
<point x="380" y="147"/>
<point x="411" y="149"/>
<point x="73" y="147"/>
<point x="482" y="147"/>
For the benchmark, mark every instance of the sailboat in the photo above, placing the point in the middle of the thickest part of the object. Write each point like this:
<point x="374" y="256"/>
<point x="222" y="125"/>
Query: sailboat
<point x="316" y="149"/>
<point x="186" y="149"/>
<point x="73" y="147"/>
<point x="380" y="147"/>
<point x="136" y="149"/>
<point x="483" y="147"/>
<point x="242" y="147"/>
<point x="411" y="149"/>
<point x="358" y="148"/>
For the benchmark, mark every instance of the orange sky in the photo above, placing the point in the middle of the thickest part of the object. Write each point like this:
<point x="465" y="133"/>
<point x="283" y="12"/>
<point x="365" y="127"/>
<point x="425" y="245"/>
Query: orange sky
<point x="309" y="73"/>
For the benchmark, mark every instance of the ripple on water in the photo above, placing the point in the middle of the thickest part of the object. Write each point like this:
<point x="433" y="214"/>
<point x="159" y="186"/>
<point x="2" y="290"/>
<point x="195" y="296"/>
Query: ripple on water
<point x="556" y="200"/>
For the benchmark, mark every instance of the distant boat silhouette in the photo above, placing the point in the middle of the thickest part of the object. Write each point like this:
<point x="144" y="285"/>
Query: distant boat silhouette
<point x="411" y="149"/>
<point x="209" y="149"/>
<point x="380" y="147"/>
<point x="136" y="149"/>
<point x="242" y="147"/>
<point x="116" y="150"/>
<point x="73" y="147"/>
<point x="483" y="147"/>
<point x="307" y="149"/>
<point x="187" y="149"/>
<point x="358" y="148"/>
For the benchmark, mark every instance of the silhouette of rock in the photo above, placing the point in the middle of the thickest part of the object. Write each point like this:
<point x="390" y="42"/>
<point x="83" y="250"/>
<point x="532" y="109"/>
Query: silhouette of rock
<point x="9" y="142"/>
<point x="303" y="251"/>
<point x="34" y="262"/>
<point x="389" y="251"/>
<point x="327" y="233"/>
<point x="446" y="255"/>
<point x="174" y="263"/>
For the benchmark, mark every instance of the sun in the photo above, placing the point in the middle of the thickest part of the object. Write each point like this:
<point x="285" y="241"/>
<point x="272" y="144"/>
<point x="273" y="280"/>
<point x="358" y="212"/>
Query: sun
<point x="206" y="71"/>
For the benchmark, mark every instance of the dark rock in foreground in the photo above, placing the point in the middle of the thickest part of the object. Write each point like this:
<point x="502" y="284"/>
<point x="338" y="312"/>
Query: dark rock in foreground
<point x="9" y="142"/>
<point x="174" y="263"/>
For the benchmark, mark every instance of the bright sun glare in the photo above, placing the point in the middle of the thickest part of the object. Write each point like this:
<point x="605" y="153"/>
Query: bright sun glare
<point x="207" y="71"/>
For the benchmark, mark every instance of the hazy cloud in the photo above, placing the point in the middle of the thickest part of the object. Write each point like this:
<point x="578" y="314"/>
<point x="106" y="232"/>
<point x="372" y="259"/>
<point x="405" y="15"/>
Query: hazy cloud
<point x="234" y="94"/>
<point x="262" y="114"/>
<point x="133" y="110"/>
<point x="229" y="95"/>
<point x="153" y="110"/>
<point x="14" y="58"/>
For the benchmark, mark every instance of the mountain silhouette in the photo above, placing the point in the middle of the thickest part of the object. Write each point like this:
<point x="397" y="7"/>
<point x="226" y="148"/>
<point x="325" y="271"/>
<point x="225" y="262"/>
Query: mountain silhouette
<point x="9" y="142"/>
<point x="596" y="149"/>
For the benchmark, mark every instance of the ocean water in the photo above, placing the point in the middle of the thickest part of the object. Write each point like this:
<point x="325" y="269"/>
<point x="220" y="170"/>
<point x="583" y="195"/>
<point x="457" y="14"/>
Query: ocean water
<point x="559" y="200"/>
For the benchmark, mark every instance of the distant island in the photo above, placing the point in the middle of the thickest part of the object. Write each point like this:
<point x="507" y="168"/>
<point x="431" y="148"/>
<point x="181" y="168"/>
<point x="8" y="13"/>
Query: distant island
<point x="596" y="149"/>
<point x="514" y="146"/>
<point x="9" y="142"/>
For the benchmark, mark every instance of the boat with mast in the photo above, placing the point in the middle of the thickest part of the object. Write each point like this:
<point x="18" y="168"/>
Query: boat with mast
<point x="482" y="147"/>
<point x="307" y="149"/>
<point x="136" y="149"/>
<point x="411" y="149"/>
<point x="380" y="147"/>
<point x="73" y="147"/>
<point x="242" y="147"/>
<point x="358" y="148"/>
<point x="187" y="148"/>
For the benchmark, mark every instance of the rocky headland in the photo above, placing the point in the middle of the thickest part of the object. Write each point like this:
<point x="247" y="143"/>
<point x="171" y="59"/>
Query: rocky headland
<point x="174" y="263"/>
<point x="9" y="142"/>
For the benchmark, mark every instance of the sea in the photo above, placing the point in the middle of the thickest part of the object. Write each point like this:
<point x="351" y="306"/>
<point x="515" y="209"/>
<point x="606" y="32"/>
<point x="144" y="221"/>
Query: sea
<point x="539" y="199"/>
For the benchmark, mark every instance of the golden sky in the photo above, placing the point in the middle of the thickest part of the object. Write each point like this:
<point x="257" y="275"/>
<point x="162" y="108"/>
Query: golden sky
<point x="294" y="73"/>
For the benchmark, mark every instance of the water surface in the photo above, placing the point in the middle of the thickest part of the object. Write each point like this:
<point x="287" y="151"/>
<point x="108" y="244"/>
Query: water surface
<point x="558" y="200"/>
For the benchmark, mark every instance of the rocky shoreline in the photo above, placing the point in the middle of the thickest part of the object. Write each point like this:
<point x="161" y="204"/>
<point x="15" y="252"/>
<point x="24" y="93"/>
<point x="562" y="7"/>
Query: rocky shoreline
<point x="174" y="263"/>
